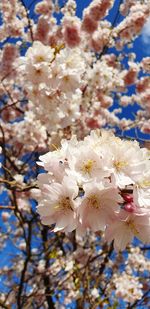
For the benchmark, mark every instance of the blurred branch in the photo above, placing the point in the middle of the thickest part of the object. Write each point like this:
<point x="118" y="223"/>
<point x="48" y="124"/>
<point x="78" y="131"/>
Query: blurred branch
<point x="7" y="207"/>
<point x="28" y="18"/>
<point x="106" y="259"/>
<point x="19" y="188"/>
<point x="138" y="302"/>
<point x="47" y="283"/>
<point x="28" y="252"/>
<point x="3" y="306"/>
<point x="105" y="48"/>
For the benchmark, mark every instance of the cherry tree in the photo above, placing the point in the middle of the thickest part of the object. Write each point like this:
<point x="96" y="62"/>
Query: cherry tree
<point x="75" y="189"/>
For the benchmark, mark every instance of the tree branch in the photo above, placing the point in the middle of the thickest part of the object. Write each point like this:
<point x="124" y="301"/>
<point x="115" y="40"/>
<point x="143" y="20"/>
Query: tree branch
<point x="48" y="290"/>
<point x="22" y="279"/>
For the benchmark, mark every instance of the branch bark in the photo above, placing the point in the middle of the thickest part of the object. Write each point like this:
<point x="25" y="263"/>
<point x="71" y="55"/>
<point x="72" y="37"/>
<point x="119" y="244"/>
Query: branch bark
<point x="47" y="283"/>
<point x="23" y="273"/>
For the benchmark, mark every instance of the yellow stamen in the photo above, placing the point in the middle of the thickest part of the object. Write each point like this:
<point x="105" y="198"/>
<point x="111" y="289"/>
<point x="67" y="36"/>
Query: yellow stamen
<point x="64" y="204"/>
<point x="93" y="201"/>
<point x="144" y="183"/>
<point x="120" y="164"/>
<point x="39" y="58"/>
<point x="87" y="166"/>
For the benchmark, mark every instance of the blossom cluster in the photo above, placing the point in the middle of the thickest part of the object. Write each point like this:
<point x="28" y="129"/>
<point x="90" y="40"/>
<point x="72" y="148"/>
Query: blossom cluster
<point x="67" y="72"/>
<point x="100" y="183"/>
<point x="127" y="282"/>
<point x="53" y="80"/>
<point x="127" y="287"/>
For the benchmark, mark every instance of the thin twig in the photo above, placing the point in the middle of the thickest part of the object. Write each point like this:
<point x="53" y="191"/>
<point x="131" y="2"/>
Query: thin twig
<point x="28" y="18"/>
<point x="23" y="273"/>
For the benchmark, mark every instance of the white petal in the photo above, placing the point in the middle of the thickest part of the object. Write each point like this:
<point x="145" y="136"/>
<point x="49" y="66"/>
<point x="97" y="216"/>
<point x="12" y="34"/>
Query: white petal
<point x="63" y="221"/>
<point x="48" y="220"/>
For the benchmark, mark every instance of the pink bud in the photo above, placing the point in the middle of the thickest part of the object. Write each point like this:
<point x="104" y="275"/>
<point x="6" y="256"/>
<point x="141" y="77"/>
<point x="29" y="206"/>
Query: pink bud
<point x="130" y="207"/>
<point x="128" y="198"/>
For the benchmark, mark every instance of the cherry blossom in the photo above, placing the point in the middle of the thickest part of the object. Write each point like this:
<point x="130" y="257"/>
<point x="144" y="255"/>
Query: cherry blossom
<point x="103" y="168"/>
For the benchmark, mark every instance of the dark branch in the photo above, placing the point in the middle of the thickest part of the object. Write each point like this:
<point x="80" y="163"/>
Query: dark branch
<point x="48" y="290"/>
<point x="22" y="279"/>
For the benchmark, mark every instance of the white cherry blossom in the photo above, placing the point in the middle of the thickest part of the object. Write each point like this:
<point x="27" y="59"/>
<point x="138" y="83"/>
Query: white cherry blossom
<point x="98" y="203"/>
<point x="57" y="205"/>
